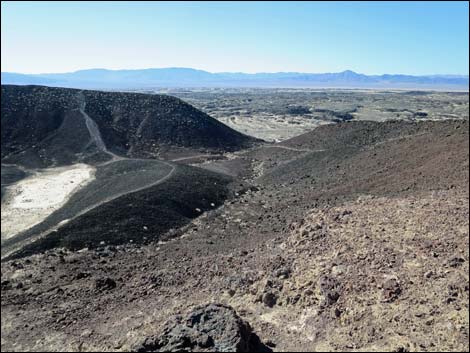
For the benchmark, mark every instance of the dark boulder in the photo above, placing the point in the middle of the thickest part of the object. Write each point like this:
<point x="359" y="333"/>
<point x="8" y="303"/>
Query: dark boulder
<point x="209" y="328"/>
<point x="391" y="290"/>
<point x="330" y="288"/>
<point x="105" y="284"/>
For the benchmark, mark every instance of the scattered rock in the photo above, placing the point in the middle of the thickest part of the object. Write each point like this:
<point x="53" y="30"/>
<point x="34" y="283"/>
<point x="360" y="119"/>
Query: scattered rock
<point x="105" y="283"/>
<point x="337" y="312"/>
<point x="330" y="289"/>
<point x="17" y="265"/>
<point x="271" y="344"/>
<point x="428" y="274"/>
<point x="6" y="285"/>
<point x="456" y="261"/>
<point x="81" y="275"/>
<point x="391" y="290"/>
<point x="282" y="273"/>
<point x="269" y="299"/>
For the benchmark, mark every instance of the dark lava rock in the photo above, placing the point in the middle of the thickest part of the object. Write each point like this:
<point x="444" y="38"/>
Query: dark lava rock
<point x="81" y="275"/>
<point x="420" y="114"/>
<point x="271" y="344"/>
<point x="210" y="328"/>
<point x="298" y="110"/>
<point x="6" y="285"/>
<point x="105" y="283"/>
<point x="456" y="261"/>
<point x="17" y="265"/>
<point x="269" y="299"/>
<point x="282" y="273"/>
<point x="391" y="290"/>
<point x="330" y="288"/>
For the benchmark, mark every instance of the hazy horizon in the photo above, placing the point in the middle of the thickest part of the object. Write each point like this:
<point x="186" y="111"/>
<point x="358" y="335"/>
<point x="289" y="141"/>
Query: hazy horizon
<point x="229" y="72"/>
<point x="373" y="38"/>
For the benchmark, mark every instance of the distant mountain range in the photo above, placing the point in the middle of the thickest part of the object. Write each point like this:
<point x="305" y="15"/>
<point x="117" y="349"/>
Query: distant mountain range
<point x="187" y="77"/>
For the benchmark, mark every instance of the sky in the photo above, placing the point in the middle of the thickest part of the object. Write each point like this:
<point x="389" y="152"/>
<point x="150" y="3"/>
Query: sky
<point x="416" y="38"/>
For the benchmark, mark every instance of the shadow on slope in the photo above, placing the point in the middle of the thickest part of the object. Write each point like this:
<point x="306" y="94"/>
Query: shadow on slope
<point x="139" y="217"/>
<point x="10" y="174"/>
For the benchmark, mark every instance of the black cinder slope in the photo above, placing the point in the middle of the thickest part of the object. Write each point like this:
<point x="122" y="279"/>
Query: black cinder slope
<point x="44" y="126"/>
<point x="342" y="161"/>
<point x="107" y="210"/>
<point x="145" y="124"/>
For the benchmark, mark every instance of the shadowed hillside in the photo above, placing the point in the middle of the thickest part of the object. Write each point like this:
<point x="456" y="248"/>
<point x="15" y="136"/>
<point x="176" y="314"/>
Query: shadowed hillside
<point x="127" y="202"/>
<point x="121" y="135"/>
<point x="43" y="126"/>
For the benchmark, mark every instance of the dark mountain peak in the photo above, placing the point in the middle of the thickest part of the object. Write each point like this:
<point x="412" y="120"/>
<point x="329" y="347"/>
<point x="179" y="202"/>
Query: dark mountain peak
<point x="348" y="72"/>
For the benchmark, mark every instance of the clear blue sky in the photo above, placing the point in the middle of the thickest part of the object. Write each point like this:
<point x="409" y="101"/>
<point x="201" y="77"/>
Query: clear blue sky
<point x="367" y="37"/>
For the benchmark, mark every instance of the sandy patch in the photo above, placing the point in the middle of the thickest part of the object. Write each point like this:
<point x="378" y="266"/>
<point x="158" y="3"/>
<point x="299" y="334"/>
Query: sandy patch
<point x="270" y="127"/>
<point x="31" y="200"/>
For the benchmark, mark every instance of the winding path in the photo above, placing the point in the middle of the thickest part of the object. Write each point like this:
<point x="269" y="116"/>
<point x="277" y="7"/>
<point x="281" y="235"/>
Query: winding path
<point x="14" y="244"/>
<point x="291" y="148"/>
<point x="193" y="157"/>
<point x="96" y="138"/>
<point x="94" y="131"/>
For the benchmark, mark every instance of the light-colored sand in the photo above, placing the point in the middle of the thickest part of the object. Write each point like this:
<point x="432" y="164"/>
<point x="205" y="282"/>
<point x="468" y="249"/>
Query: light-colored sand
<point x="271" y="127"/>
<point x="31" y="200"/>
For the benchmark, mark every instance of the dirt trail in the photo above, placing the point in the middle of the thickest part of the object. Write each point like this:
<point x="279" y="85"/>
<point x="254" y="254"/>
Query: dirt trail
<point x="292" y="148"/>
<point x="6" y="252"/>
<point x="159" y="181"/>
<point x="97" y="139"/>
<point x="94" y="131"/>
<point x="193" y="157"/>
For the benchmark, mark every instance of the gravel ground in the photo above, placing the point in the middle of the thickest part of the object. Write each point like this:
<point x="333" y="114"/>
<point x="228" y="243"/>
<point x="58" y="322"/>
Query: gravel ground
<point x="362" y="246"/>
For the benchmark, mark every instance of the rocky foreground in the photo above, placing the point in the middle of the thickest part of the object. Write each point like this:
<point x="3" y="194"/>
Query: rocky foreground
<point x="352" y="237"/>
